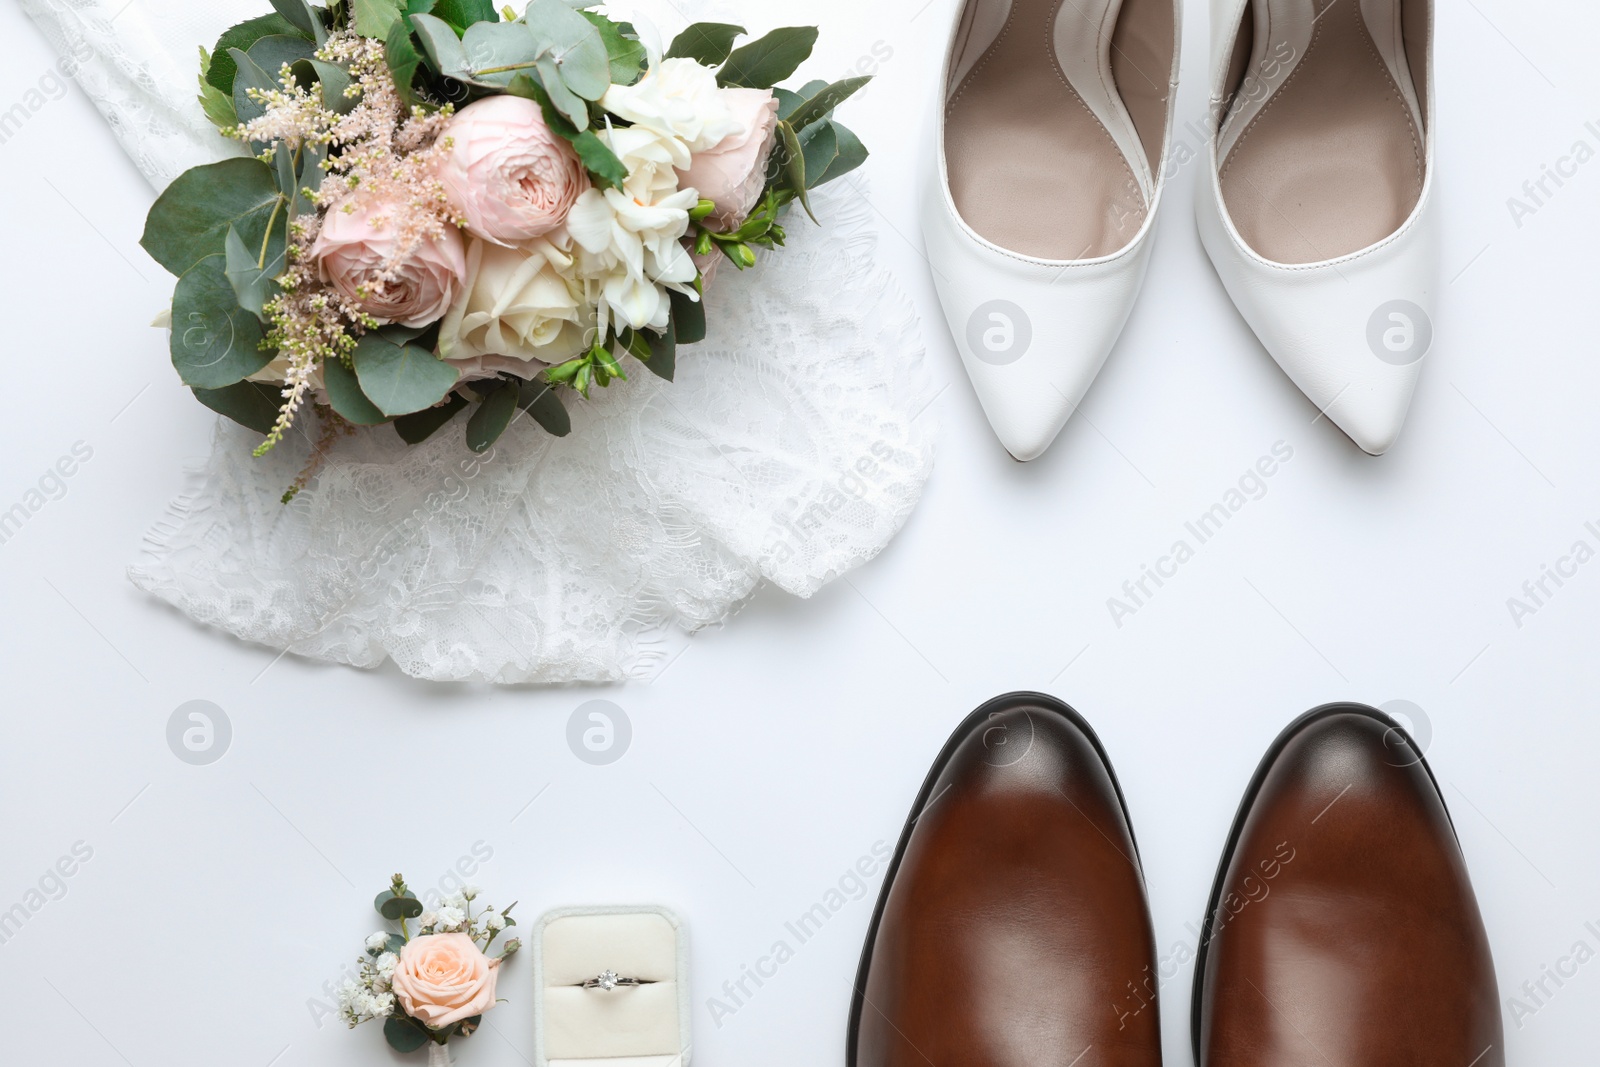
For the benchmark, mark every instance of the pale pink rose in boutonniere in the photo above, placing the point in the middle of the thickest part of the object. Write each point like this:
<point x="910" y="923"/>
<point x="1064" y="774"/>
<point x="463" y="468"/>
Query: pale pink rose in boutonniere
<point x="378" y="260"/>
<point x="507" y="173"/>
<point x="444" y="978"/>
<point x="732" y="172"/>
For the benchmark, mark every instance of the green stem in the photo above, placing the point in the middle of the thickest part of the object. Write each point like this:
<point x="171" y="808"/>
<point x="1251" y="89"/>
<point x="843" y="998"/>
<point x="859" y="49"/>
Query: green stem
<point x="266" y="239"/>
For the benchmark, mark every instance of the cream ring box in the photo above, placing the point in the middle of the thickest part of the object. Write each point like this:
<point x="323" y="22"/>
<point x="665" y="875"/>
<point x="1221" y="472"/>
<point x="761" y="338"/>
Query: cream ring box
<point x="629" y="1026"/>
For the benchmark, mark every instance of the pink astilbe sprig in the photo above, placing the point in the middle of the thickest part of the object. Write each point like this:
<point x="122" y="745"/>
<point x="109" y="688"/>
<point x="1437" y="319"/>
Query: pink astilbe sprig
<point x="379" y="152"/>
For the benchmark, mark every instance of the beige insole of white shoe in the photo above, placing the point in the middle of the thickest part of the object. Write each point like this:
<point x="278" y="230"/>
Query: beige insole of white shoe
<point x="1333" y="162"/>
<point x="1030" y="166"/>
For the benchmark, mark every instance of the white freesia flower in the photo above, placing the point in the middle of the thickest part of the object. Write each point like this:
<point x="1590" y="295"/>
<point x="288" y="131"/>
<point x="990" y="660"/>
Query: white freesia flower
<point x="521" y="310"/>
<point x="450" y="919"/>
<point x="677" y="97"/>
<point x="628" y="238"/>
<point x="376" y="942"/>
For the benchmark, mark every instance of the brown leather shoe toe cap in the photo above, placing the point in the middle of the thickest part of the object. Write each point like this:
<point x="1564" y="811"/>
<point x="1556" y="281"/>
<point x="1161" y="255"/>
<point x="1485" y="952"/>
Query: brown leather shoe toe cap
<point x="1344" y="931"/>
<point x="1013" y="932"/>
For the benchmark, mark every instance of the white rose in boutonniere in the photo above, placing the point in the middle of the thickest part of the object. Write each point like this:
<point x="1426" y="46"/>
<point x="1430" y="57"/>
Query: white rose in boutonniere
<point x="628" y="238"/>
<point x="518" y="312"/>
<point x="677" y="97"/>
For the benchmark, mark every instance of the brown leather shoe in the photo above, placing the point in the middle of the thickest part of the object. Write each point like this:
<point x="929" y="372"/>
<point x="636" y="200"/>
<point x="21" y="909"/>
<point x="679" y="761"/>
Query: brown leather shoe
<point x="1342" y="929"/>
<point x="1012" y="930"/>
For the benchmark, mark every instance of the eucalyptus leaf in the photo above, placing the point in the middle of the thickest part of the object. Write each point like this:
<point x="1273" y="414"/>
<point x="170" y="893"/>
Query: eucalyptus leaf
<point x="571" y="106"/>
<point x="284" y="171"/>
<point x="848" y="153"/>
<point x="821" y="146"/>
<point x="392" y="906"/>
<point x="253" y="285"/>
<point x="335" y="80"/>
<point x="221" y="69"/>
<point x="311" y="173"/>
<point x="626" y="53"/>
<point x="345" y="395"/>
<point x="492" y="417"/>
<point x="249" y="75"/>
<point x="404" y="1033"/>
<point x="418" y="427"/>
<point x="372" y="18"/>
<point x="663" y="361"/>
<point x="253" y="405"/>
<point x="543" y="403"/>
<point x="445" y="51"/>
<point x="824" y="100"/>
<point x="688" y="318"/>
<point x="191" y="217"/>
<point x="763" y="63"/>
<point x="394" y="944"/>
<point x="272" y="53"/>
<point x="789" y="101"/>
<point x="401" y="378"/>
<point x="574" y="44"/>
<point x="305" y="18"/>
<point x="215" y="342"/>
<point x="707" y="43"/>
<point x="491" y="46"/>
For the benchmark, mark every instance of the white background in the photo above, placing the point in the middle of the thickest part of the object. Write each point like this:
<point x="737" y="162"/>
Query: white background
<point x="775" y="752"/>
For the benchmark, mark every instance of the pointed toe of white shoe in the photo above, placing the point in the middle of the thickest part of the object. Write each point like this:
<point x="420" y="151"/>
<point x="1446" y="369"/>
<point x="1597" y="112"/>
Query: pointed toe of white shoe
<point x="1032" y="335"/>
<point x="1351" y="333"/>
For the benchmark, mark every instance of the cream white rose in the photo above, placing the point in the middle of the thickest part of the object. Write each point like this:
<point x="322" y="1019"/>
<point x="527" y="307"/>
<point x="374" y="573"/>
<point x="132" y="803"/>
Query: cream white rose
<point x="679" y="98"/>
<point x="518" y="313"/>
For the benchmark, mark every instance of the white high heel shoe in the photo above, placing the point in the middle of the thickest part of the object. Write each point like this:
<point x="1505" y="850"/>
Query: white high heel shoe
<point x="1051" y="140"/>
<point x="1318" y="208"/>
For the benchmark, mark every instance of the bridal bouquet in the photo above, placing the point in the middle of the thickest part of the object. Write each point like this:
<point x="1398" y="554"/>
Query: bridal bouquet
<point x="449" y="208"/>
<point x="434" y="984"/>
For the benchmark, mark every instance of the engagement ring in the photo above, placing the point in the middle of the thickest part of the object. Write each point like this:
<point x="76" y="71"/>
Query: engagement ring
<point x="608" y="980"/>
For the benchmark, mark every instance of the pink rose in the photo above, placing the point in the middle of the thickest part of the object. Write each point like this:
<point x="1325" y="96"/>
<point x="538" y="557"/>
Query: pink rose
<point x="357" y="248"/>
<point x="511" y="178"/>
<point x="732" y="172"/>
<point x="444" y="978"/>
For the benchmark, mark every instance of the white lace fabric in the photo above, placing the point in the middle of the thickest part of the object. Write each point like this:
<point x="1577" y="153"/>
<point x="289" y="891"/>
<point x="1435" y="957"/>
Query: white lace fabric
<point x="791" y="448"/>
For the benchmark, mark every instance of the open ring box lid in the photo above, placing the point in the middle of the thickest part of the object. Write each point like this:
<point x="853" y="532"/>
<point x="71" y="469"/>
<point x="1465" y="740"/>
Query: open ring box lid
<point x="630" y="1026"/>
